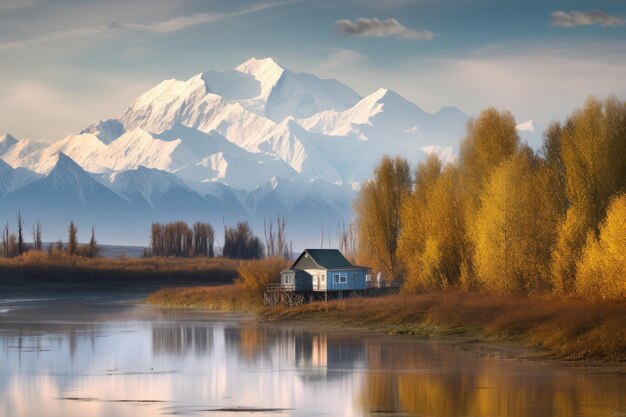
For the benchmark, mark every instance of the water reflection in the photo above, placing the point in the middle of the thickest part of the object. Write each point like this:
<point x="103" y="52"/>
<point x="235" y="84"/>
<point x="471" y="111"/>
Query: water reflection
<point x="434" y="380"/>
<point x="129" y="361"/>
<point x="181" y="339"/>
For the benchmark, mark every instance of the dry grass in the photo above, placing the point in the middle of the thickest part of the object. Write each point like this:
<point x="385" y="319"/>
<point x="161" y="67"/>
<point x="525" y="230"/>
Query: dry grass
<point x="39" y="267"/>
<point x="212" y="298"/>
<point x="562" y="327"/>
<point x="246" y="295"/>
<point x="255" y="274"/>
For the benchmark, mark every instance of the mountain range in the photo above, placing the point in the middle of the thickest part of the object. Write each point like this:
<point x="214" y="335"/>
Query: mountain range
<point x="243" y="144"/>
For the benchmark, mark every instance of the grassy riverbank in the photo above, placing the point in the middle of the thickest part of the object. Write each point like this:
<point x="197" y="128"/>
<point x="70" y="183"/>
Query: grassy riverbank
<point x="40" y="268"/>
<point x="559" y="327"/>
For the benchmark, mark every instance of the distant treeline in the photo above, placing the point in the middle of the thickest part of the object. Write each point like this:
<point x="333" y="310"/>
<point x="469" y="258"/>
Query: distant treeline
<point x="504" y="217"/>
<point x="40" y="267"/>
<point x="179" y="240"/>
<point x="13" y="244"/>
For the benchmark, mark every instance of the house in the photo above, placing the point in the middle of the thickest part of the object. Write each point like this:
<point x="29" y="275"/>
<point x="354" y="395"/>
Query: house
<point x="324" y="270"/>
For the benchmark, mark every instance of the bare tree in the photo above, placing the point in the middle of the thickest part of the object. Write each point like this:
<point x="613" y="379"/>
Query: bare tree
<point x="20" y="233"/>
<point x="276" y="243"/>
<point x="270" y="237"/>
<point x="282" y="246"/>
<point x="37" y="236"/>
<point x="5" y="240"/>
<point x="346" y="239"/>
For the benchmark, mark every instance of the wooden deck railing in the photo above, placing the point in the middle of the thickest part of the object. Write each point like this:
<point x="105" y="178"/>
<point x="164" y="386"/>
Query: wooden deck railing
<point x="278" y="287"/>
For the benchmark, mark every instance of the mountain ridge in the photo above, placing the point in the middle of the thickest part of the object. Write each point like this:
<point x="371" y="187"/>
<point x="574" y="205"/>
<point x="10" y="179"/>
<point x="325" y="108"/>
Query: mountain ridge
<point x="239" y="144"/>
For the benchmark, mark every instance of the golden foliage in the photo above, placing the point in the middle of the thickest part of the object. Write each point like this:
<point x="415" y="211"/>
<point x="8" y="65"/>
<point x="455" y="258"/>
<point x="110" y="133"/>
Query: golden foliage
<point x="378" y="216"/>
<point x="601" y="271"/>
<point x="593" y="145"/>
<point x="503" y="217"/>
<point x="514" y="227"/>
<point x="432" y="237"/>
<point x="255" y="274"/>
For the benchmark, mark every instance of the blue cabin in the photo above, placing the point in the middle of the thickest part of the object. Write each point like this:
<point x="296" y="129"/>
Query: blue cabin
<point x="324" y="270"/>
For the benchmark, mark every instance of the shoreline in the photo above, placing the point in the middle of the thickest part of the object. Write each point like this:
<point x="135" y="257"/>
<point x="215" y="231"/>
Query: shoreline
<point x="566" y="330"/>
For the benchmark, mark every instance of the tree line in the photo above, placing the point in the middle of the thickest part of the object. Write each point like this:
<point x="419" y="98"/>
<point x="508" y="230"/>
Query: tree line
<point x="180" y="240"/>
<point x="13" y="244"/>
<point x="504" y="217"/>
<point x="177" y="239"/>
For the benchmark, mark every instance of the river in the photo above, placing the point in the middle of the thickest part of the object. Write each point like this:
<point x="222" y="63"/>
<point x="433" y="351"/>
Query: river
<point x="90" y="356"/>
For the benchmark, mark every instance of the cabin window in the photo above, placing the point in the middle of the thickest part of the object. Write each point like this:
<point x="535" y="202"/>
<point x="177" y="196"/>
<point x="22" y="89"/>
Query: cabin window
<point x="288" y="279"/>
<point x="340" y="278"/>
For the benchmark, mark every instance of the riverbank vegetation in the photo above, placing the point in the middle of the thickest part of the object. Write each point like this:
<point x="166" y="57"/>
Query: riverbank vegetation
<point x="561" y="327"/>
<point x="245" y="295"/>
<point x="35" y="267"/>
<point x="554" y="325"/>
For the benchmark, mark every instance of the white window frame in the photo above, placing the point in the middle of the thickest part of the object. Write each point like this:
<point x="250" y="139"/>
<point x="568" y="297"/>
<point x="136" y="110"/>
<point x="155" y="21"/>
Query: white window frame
<point x="340" y="278"/>
<point x="289" y="278"/>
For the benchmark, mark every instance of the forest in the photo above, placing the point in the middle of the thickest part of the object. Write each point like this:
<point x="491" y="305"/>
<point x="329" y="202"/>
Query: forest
<point x="503" y="217"/>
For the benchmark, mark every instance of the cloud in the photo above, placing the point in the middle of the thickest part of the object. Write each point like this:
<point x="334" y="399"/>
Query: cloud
<point x="16" y="4"/>
<point x="576" y="18"/>
<point x="159" y="27"/>
<point x="341" y="58"/>
<point x="376" y="28"/>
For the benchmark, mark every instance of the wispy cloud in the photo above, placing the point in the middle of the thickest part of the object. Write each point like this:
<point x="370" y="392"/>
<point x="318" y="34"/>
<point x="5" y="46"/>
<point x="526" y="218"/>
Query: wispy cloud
<point x="576" y="18"/>
<point x="376" y="28"/>
<point x="159" y="27"/>
<point x="341" y="58"/>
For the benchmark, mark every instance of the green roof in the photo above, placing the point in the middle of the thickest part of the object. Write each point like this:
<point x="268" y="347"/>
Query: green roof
<point x="326" y="258"/>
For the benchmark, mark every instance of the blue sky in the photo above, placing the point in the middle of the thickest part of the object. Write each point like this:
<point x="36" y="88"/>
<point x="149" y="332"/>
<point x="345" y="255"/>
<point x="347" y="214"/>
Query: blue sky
<point x="66" y="63"/>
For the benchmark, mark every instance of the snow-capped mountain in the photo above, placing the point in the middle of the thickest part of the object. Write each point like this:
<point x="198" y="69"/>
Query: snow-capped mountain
<point x="105" y="130"/>
<point x="246" y="143"/>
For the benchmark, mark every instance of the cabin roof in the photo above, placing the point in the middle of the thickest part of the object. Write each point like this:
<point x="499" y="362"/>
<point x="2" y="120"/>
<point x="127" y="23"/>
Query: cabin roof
<point x="327" y="259"/>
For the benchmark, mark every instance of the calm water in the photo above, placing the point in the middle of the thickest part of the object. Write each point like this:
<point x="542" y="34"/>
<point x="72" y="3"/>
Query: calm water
<point x="91" y="358"/>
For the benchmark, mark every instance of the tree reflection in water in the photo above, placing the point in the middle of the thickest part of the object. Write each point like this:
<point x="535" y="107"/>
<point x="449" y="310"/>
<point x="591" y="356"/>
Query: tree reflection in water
<point x="439" y="380"/>
<point x="181" y="339"/>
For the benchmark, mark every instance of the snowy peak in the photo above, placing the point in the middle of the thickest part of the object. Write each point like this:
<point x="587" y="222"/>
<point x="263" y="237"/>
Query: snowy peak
<point x="105" y="130"/>
<point x="254" y="65"/>
<point x="284" y="93"/>
<point x="7" y="141"/>
<point x="528" y="126"/>
<point x="530" y="133"/>
<point x="266" y="71"/>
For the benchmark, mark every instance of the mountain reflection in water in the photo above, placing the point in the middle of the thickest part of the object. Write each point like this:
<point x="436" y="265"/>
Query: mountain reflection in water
<point x="123" y="360"/>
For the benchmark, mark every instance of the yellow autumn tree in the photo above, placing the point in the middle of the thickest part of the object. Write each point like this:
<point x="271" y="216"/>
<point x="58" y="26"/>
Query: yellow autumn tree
<point x="378" y="216"/>
<point x="432" y="237"/>
<point x="593" y="145"/>
<point x="515" y="226"/>
<point x="601" y="271"/>
<point x="490" y="139"/>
